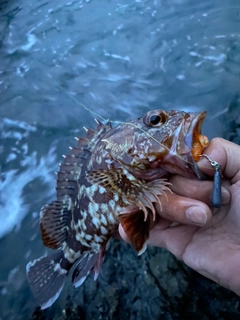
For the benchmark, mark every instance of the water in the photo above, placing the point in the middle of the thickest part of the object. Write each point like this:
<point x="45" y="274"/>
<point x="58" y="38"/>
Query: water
<point x="117" y="58"/>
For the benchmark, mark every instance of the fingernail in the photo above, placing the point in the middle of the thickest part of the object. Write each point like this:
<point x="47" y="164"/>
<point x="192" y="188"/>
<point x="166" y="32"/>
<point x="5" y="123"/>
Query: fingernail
<point x="226" y="196"/>
<point x="197" y="215"/>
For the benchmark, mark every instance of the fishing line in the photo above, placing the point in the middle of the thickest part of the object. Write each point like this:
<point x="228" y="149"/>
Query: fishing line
<point x="114" y="121"/>
<point x="216" y="199"/>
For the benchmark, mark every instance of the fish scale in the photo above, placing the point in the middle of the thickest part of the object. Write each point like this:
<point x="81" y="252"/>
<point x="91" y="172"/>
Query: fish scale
<point x="113" y="175"/>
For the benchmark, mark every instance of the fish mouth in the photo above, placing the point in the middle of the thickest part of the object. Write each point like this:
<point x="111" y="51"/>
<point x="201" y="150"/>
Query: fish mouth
<point x="194" y="131"/>
<point x="195" y="128"/>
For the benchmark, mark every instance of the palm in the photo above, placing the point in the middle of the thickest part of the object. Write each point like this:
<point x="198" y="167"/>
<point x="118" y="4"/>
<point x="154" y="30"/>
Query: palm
<point x="212" y="250"/>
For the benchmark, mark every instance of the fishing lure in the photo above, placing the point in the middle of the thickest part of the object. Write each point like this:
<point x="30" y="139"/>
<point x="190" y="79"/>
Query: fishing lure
<point x="216" y="197"/>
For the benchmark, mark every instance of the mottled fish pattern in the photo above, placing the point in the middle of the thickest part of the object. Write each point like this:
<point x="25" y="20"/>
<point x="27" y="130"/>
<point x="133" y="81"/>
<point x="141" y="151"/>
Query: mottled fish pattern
<point x="112" y="176"/>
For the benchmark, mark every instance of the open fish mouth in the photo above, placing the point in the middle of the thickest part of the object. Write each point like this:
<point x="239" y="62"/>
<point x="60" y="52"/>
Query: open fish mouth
<point x="196" y="142"/>
<point x="195" y="128"/>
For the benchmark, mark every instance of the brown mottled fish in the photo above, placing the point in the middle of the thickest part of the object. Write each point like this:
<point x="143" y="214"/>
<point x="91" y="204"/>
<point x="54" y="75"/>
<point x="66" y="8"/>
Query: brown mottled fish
<point x="112" y="176"/>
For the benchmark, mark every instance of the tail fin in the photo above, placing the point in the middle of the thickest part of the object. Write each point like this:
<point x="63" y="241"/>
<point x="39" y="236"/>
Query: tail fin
<point x="46" y="279"/>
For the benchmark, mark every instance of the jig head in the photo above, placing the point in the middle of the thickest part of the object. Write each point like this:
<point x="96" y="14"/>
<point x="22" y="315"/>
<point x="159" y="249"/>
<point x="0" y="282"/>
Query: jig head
<point x="216" y="197"/>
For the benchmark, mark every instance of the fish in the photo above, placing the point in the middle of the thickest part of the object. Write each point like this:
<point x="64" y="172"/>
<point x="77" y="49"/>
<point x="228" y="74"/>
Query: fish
<point x="113" y="175"/>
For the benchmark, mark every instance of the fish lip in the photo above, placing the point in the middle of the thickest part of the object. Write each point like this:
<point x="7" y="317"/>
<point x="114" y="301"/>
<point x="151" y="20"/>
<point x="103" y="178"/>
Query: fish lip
<point x="195" y="125"/>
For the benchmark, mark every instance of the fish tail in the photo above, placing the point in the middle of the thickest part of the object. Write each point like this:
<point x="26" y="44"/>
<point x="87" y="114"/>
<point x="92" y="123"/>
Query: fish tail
<point x="46" y="278"/>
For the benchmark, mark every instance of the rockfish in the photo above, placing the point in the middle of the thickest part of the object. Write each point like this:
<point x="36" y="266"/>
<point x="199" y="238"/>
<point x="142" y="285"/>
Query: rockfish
<point x="113" y="175"/>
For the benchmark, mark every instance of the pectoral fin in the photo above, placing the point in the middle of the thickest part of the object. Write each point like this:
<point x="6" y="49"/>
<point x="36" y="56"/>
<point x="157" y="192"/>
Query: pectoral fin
<point x="136" y="228"/>
<point x="139" y="193"/>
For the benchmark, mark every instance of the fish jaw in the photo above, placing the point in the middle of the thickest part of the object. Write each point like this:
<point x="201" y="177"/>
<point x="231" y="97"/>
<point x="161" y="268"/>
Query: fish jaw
<point x="194" y="131"/>
<point x="186" y="134"/>
<point x="196" y="142"/>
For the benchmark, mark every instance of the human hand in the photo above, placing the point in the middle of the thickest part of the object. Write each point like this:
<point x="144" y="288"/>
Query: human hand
<point x="213" y="250"/>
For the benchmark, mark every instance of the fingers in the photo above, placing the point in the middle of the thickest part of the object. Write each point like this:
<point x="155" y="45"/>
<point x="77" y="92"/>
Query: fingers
<point x="174" y="239"/>
<point x="189" y="206"/>
<point x="224" y="152"/>
<point x="179" y="209"/>
<point x="184" y="210"/>
<point x="160" y="223"/>
<point x="197" y="189"/>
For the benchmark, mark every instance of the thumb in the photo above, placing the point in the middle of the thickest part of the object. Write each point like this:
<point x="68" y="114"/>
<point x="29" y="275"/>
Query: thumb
<point x="225" y="153"/>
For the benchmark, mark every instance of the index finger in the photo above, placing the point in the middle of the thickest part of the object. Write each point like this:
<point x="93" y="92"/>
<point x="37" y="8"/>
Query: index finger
<point x="225" y="153"/>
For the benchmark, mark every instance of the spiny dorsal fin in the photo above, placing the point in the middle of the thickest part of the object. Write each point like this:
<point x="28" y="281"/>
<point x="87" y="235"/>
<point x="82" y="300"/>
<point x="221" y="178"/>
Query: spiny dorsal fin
<point x="108" y="126"/>
<point x="90" y="133"/>
<point x="53" y="223"/>
<point x="76" y="159"/>
<point x="100" y="125"/>
<point x="67" y="180"/>
<point x="71" y="168"/>
<point x="82" y="141"/>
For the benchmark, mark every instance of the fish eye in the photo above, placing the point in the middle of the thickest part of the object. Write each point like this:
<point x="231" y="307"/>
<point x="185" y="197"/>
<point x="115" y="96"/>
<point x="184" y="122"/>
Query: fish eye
<point x="155" y="118"/>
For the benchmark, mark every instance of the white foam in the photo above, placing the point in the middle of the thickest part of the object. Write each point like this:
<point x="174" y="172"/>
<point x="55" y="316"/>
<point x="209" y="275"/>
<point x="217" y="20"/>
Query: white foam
<point x="13" y="209"/>
<point x="31" y="40"/>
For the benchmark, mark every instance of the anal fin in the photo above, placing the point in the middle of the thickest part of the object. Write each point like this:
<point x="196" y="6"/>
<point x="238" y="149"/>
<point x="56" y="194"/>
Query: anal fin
<point x="90" y="261"/>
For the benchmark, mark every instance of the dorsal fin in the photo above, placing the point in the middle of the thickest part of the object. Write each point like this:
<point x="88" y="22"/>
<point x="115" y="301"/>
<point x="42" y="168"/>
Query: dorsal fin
<point x="71" y="168"/>
<point x="90" y="133"/>
<point x="82" y="141"/>
<point x="108" y="126"/>
<point x="100" y="125"/>
<point x="53" y="223"/>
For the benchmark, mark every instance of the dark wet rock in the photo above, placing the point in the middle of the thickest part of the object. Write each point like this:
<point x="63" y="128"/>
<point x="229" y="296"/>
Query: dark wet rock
<point x="153" y="286"/>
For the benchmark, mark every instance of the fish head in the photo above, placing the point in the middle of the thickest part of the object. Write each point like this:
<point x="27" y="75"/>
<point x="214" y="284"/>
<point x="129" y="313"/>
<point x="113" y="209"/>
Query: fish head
<point x="171" y="141"/>
<point x="161" y="142"/>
